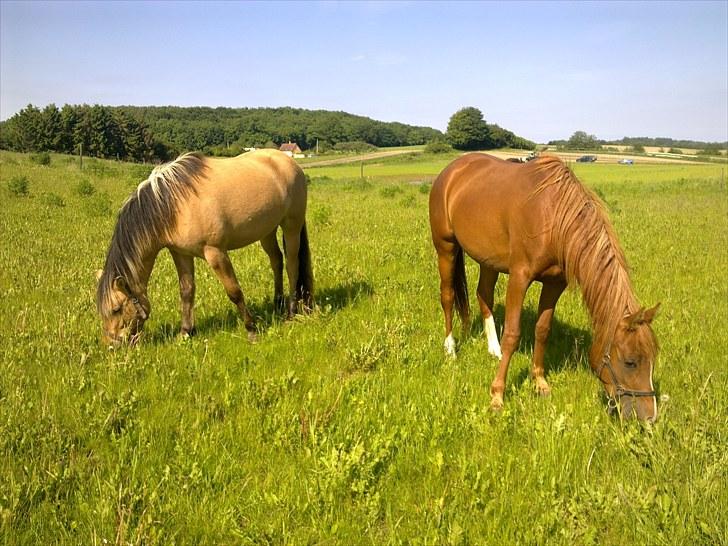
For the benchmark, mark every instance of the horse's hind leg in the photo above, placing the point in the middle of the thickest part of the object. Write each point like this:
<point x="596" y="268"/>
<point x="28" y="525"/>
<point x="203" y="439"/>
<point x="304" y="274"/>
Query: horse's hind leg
<point x="223" y="268"/>
<point x="453" y="289"/>
<point x="291" y="246"/>
<point x="486" y="288"/>
<point x="270" y="245"/>
<point x="186" y="272"/>
<point x="550" y="294"/>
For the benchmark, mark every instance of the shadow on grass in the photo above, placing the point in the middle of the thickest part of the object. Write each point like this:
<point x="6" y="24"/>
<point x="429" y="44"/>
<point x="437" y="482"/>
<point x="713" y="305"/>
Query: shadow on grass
<point x="566" y="343"/>
<point x="332" y="299"/>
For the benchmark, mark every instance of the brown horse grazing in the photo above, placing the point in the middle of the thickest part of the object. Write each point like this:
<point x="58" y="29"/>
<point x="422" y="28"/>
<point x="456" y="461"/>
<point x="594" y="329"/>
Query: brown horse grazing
<point x="204" y="207"/>
<point x="537" y="222"/>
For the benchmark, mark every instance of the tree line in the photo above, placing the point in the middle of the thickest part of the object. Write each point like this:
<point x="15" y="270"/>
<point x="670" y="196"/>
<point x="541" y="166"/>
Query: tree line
<point x="158" y="133"/>
<point x="581" y="140"/>
<point x="97" y="131"/>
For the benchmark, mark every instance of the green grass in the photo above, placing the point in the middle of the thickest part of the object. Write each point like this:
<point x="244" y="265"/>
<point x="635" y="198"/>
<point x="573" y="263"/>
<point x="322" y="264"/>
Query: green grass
<point x="401" y="168"/>
<point x="349" y="426"/>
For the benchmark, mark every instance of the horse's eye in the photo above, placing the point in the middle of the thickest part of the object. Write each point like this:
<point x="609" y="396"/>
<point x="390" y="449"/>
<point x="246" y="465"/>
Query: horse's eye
<point x="116" y="310"/>
<point x="630" y="363"/>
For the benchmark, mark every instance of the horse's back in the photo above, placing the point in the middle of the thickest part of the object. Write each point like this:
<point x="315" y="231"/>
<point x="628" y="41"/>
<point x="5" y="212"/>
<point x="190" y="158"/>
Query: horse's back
<point x="481" y="202"/>
<point x="239" y="200"/>
<point x="260" y="171"/>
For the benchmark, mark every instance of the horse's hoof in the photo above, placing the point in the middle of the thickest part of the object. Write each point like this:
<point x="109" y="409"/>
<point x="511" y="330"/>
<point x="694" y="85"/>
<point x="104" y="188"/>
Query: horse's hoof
<point x="252" y="336"/>
<point x="543" y="390"/>
<point x="496" y="352"/>
<point x="449" y="346"/>
<point x="496" y="403"/>
<point x="187" y="334"/>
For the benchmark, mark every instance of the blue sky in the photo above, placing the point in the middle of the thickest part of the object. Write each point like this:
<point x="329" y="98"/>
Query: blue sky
<point x="540" y="69"/>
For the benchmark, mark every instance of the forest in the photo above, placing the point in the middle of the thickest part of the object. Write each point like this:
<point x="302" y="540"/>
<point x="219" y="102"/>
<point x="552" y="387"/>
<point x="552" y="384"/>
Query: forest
<point x="153" y="133"/>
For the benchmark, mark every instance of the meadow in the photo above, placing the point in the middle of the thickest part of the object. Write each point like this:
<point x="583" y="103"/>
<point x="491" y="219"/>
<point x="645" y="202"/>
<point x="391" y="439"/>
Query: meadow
<point x="349" y="426"/>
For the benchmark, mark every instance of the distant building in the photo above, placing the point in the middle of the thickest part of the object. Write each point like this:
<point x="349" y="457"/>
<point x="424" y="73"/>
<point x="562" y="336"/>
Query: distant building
<point x="291" y="149"/>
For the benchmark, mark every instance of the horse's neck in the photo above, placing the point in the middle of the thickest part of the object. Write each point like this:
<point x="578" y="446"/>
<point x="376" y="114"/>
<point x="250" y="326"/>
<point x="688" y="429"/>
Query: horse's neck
<point x="144" y="271"/>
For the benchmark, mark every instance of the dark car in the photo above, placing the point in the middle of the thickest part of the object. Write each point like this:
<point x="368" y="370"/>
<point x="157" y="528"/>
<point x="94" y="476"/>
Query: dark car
<point x="587" y="159"/>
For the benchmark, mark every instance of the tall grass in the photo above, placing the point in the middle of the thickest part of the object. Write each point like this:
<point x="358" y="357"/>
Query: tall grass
<point x="349" y="426"/>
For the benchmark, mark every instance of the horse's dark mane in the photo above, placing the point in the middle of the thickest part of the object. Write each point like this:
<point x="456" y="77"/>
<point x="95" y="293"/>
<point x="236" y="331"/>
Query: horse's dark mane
<point x="145" y="219"/>
<point x="587" y="248"/>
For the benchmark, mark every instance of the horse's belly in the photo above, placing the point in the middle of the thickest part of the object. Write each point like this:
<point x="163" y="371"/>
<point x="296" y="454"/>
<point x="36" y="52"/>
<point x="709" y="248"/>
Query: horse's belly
<point x="248" y="230"/>
<point x="490" y="258"/>
<point x="223" y="227"/>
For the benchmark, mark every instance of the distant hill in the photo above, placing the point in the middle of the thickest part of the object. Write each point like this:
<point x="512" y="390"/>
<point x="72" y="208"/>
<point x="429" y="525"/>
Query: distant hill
<point x="201" y="127"/>
<point x="659" y="142"/>
<point x="159" y="132"/>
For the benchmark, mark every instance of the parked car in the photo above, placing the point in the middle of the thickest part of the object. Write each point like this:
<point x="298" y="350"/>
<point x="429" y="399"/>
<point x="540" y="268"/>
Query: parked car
<point x="587" y="159"/>
<point x="626" y="161"/>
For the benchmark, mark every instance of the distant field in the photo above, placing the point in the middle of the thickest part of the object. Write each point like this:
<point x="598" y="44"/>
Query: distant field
<point x="349" y="426"/>
<point x="425" y="167"/>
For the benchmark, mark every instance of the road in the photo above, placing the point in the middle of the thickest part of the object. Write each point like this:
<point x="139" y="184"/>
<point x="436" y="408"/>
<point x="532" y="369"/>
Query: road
<point x="566" y="156"/>
<point x="358" y="158"/>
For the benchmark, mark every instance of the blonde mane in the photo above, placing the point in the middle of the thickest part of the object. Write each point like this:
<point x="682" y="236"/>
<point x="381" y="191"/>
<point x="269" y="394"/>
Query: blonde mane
<point x="587" y="248"/>
<point x="146" y="218"/>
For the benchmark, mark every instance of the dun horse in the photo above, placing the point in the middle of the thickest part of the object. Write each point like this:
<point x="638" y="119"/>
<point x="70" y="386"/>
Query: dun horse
<point x="204" y="207"/>
<point x="537" y="222"/>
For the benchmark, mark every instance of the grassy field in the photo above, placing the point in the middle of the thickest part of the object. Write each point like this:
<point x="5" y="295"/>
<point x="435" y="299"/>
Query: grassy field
<point x="349" y="426"/>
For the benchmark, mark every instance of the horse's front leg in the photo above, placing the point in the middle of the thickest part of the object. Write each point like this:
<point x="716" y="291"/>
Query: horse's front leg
<point x="518" y="282"/>
<point x="550" y="294"/>
<point x="186" y="272"/>
<point x="223" y="268"/>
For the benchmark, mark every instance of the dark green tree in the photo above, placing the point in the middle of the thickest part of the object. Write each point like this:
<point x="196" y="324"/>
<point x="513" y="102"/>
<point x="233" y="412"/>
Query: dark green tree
<point x="580" y="140"/>
<point x="467" y="130"/>
<point x="51" y="129"/>
<point x="69" y="119"/>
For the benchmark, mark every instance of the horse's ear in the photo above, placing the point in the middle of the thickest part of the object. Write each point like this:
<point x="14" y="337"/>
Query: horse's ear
<point x="121" y="285"/>
<point x="650" y="314"/>
<point x="634" y="320"/>
<point x="643" y="316"/>
<point x="99" y="274"/>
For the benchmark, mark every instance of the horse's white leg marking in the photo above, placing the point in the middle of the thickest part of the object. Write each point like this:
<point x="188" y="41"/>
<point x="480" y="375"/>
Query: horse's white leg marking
<point x="652" y="388"/>
<point x="450" y="346"/>
<point x="490" y="332"/>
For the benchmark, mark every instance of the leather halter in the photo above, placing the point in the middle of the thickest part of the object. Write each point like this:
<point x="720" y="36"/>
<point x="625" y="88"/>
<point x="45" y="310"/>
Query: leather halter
<point x="618" y="388"/>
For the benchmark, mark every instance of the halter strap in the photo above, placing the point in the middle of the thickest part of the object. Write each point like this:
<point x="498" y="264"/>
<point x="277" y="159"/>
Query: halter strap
<point x="618" y="388"/>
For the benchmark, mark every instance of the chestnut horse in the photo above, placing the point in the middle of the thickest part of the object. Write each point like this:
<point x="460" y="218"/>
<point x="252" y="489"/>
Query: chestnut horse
<point x="204" y="207"/>
<point x="537" y="222"/>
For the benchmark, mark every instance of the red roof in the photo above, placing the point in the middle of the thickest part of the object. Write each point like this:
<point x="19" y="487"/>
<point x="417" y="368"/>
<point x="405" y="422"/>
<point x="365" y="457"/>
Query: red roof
<point x="290" y="147"/>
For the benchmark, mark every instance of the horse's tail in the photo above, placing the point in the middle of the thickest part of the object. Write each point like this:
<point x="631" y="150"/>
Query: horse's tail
<point x="460" y="285"/>
<point x="304" y="284"/>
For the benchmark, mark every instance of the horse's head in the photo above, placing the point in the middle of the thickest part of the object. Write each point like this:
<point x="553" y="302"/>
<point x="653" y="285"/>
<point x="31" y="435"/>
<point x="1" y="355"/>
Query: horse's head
<point x="626" y="368"/>
<point x="123" y="312"/>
